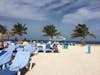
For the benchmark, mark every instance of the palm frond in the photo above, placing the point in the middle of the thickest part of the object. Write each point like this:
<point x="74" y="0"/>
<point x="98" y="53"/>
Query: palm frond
<point x="93" y="35"/>
<point x="19" y="29"/>
<point x="81" y="30"/>
<point x="50" y="30"/>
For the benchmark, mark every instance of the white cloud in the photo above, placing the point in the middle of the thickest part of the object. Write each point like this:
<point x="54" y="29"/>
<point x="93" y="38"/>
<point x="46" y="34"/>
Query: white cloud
<point x="17" y="9"/>
<point x="14" y="9"/>
<point x="30" y="9"/>
<point x="80" y="16"/>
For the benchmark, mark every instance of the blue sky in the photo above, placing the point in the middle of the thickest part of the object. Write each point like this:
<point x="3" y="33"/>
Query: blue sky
<point x="64" y="14"/>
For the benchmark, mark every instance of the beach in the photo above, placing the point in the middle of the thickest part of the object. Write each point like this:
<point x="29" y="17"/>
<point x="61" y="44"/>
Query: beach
<point x="72" y="61"/>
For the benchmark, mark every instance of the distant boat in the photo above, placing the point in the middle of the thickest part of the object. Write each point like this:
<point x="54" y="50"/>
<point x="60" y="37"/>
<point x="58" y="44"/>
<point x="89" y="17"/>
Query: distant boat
<point x="58" y="38"/>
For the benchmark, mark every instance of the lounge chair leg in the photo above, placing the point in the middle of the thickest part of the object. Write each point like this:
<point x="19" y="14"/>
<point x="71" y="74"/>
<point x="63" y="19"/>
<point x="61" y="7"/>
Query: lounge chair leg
<point x="3" y="67"/>
<point x="0" y="68"/>
<point x="27" y="67"/>
<point x="30" y="66"/>
<point x="36" y="52"/>
<point x="18" y="73"/>
<point x="7" y="65"/>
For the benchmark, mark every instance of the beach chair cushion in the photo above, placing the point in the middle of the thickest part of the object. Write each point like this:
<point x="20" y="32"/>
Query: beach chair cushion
<point x="30" y="48"/>
<point x="48" y="47"/>
<point x="20" y="61"/>
<point x="11" y="47"/>
<point x="6" y="57"/>
<point x="39" y="48"/>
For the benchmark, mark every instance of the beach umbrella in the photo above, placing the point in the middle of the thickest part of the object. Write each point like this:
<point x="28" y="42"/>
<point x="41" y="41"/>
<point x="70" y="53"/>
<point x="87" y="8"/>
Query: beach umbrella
<point x="9" y="34"/>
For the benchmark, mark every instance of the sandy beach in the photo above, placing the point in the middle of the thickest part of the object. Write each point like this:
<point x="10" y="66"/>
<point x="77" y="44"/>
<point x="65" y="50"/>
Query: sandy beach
<point x="72" y="61"/>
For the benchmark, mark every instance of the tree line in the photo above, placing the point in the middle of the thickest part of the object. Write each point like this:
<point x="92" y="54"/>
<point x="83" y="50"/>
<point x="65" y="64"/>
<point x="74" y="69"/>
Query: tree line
<point x="81" y="30"/>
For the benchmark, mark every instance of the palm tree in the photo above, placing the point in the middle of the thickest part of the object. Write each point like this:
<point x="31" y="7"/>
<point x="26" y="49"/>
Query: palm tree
<point x="19" y="29"/>
<point x="81" y="31"/>
<point x="50" y="30"/>
<point x="3" y="30"/>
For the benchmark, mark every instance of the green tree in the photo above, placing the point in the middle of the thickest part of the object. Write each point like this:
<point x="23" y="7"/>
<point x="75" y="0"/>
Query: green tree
<point x="19" y="29"/>
<point x="50" y="30"/>
<point x="81" y="31"/>
<point x="3" y="29"/>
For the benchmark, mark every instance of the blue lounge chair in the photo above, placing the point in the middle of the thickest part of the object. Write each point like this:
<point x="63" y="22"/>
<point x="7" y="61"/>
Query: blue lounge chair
<point x="40" y="48"/>
<point x="28" y="46"/>
<point x="20" y="49"/>
<point x="5" y="57"/>
<point x="48" y="48"/>
<point x="31" y="49"/>
<point x="11" y="47"/>
<point x="34" y="42"/>
<point x="20" y="61"/>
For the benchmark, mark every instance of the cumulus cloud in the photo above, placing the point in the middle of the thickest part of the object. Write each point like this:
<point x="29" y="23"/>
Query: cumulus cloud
<point x="80" y="16"/>
<point x="31" y="9"/>
<point x="19" y="9"/>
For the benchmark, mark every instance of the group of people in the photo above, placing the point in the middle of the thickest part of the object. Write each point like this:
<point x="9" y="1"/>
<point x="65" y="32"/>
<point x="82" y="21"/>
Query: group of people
<point x="53" y="46"/>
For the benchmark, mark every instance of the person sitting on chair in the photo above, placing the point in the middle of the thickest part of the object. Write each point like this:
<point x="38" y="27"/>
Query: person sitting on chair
<point x="55" y="48"/>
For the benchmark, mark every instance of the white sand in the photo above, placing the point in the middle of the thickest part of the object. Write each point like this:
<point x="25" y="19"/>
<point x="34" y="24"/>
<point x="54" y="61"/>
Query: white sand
<point x="71" y="61"/>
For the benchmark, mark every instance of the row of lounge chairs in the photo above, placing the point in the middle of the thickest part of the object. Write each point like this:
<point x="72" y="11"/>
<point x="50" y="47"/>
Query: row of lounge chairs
<point x="21" y="60"/>
<point x="32" y="49"/>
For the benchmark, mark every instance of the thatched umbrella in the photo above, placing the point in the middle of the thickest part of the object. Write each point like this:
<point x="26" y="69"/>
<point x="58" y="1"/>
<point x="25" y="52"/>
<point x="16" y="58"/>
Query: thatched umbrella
<point x="9" y="34"/>
<point x="1" y="36"/>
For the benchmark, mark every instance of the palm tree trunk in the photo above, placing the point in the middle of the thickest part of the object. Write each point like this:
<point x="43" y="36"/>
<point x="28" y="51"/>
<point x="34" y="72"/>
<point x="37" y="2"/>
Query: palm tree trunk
<point x="83" y="42"/>
<point x="51" y="38"/>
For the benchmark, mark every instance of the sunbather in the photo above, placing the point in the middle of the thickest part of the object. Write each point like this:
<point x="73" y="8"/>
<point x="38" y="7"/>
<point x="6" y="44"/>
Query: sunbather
<point x="55" y="48"/>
